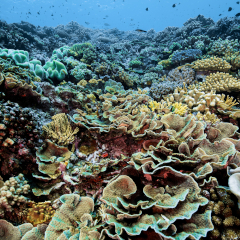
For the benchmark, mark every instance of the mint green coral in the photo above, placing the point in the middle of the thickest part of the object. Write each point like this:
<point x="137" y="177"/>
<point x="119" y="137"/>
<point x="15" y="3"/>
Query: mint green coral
<point x="21" y="59"/>
<point x="56" y="70"/>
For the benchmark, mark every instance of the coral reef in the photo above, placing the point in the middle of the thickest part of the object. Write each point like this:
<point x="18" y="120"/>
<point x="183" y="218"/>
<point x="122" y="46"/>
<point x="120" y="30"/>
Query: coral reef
<point x="106" y="134"/>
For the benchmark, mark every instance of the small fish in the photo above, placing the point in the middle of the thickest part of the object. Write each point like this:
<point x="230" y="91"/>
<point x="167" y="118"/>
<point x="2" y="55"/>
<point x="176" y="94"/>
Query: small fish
<point x="140" y="30"/>
<point x="146" y="9"/>
<point x="106" y="24"/>
<point x="29" y="13"/>
<point x="220" y="15"/>
<point x="174" y="5"/>
<point x="230" y="9"/>
<point x="237" y="2"/>
<point x="87" y="23"/>
<point x="237" y="15"/>
<point x="38" y="13"/>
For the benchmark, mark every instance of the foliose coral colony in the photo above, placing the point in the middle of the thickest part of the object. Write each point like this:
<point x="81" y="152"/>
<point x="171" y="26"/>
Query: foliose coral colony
<point x="120" y="135"/>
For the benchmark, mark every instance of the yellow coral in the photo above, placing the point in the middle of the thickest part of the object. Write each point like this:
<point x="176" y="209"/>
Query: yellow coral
<point x="208" y="117"/>
<point x="213" y="63"/>
<point x="93" y="81"/>
<point x="228" y="103"/>
<point x="92" y="97"/>
<point x="154" y="105"/>
<point x="163" y="106"/>
<point x="41" y="212"/>
<point x="219" y="82"/>
<point x="60" y="130"/>
<point x="179" y="108"/>
<point x="234" y="59"/>
<point x="142" y="91"/>
<point x="82" y="83"/>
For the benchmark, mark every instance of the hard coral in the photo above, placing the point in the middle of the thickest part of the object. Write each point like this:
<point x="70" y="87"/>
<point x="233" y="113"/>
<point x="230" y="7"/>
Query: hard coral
<point x="60" y="130"/>
<point x="213" y="63"/>
<point x="38" y="213"/>
<point x="140" y="205"/>
<point x="12" y="192"/>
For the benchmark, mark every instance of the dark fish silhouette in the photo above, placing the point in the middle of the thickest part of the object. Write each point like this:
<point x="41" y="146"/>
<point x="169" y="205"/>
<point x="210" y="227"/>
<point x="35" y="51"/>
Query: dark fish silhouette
<point x="38" y="13"/>
<point x="106" y="24"/>
<point x="230" y="9"/>
<point x="237" y="15"/>
<point x="140" y="30"/>
<point x="146" y="9"/>
<point x="220" y="15"/>
<point x="87" y="23"/>
<point x="237" y="2"/>
<point x="174" y="5"/>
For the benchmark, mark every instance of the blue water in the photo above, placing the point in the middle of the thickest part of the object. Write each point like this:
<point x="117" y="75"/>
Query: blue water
<point x="121" y="14"/>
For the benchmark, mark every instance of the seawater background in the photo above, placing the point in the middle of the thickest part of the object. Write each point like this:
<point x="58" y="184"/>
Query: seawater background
<point x="121" y="14"/>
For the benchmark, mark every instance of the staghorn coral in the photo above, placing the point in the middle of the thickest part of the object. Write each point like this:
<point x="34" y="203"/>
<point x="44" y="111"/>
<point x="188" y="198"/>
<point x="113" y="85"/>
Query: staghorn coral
<point x="222" y="47"/>
<point x="199" y="100"/>
<point x="60" y="130"/>
<point x="212" y="63"/>
<point x="179" y="108"/>
<point x="208" y="117"/>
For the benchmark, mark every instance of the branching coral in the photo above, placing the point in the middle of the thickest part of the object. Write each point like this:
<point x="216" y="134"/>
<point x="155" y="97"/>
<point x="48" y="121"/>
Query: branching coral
<point x="213" y="63"/>
<point x="60" y="130"/>
<point x="220" y="82"/>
